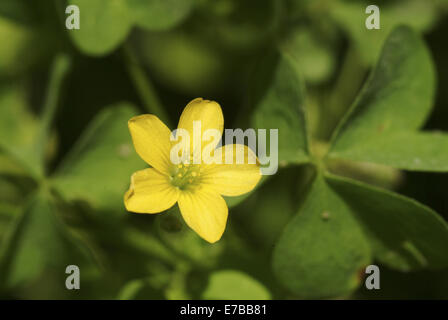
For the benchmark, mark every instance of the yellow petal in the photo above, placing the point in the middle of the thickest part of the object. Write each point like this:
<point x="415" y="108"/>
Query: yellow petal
<point x="232" y="179"/>
<point x="210" y="115"/>
<point x="205" y="212"/>
<point x="151" y="139"/>
<point x="150" y="192"/>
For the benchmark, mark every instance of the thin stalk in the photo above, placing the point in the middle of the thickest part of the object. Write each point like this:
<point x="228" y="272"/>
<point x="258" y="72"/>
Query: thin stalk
<point x="343" y="93"/>
<point x="59" y="70"/>
<point x="144" y="86"/>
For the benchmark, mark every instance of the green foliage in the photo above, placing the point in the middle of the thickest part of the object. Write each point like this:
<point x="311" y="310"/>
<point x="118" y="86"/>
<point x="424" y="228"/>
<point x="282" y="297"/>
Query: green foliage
<point x="323" y="249"/>
<point x="107" y="23"/>
<point x="234" y="285"/>
<point x="282" y="108"/>
<point x="334" y="206"/>
<point x="104" y="25"/>
<point x="312" y="57"/>
<point x="414" y="13"/>
<point x="103" y="153"/>
<point x="419" y="151"/>
<point x="397" y="96"/>
<point x="159" y="14"/>
<point x="18" y="127"/>
<point x="405" y="234"/>
<point x="378" y="128"/>
<point x="36" y="237"/>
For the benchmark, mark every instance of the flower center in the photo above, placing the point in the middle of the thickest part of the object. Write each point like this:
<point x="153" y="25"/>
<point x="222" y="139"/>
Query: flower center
<point x="185" y="175"/>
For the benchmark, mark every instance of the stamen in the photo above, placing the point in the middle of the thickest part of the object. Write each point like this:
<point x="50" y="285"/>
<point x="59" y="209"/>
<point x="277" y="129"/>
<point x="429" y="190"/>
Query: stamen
<point x="185" y="176"/>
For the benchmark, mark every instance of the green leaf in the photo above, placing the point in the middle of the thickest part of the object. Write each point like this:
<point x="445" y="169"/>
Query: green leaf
<point x="159" y="14"/>
<point x="20" y="51"/>
<point x="351" y="17"/>
<point x="104" y="24"/>
<point x="38" y="242"/>
<point x="405" y="234"/>
<point x="426" y="151"/>
<point x="99" y="167"/>
<point x="322" y="250"/>
<point x="140" y="289"/>
<point x="8" y="212"/>
<point x="18" y="129"/>
<point x="199" y="66"/>
<point x="234" y="285"/>
<point x="17" y="10"/>
<point x="397" y="96"/>
<point x="310" y="55"/>
<point x="282" y="108"/>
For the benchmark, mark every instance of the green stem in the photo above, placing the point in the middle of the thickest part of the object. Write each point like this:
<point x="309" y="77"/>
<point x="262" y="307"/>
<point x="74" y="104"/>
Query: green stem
<point x="59" y="70"/>
<point x="144" y="86"/>
<point x="343" y="93"/>
<point x="151" y="245"/>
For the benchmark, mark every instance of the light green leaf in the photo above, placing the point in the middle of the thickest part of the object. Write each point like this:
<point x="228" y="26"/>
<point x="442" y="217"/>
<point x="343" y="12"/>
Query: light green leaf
<point x="405" y="234"/>
<point x="20" y="51"/>
<point x="104" y="24"/>
<point x="18" y="129"/>
<point x="426" y="151"/>
<point x="38" y="242"/>
<point x="99" y="168"/>
<point x="397" y="96"/>
<point x="312" y="57"/>
<point x="282" y="108"/>
<point x="198" y="65"/>
<point x="142" y="289"/>
<point x="322" y="250"/>
<point x="234" y="285"/>
<point x="159" y="14"/>
<point x="351" y="17"/>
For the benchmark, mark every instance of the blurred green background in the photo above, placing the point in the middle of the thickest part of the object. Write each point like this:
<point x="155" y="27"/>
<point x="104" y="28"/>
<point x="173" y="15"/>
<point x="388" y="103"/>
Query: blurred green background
<point x="66" y="156"/>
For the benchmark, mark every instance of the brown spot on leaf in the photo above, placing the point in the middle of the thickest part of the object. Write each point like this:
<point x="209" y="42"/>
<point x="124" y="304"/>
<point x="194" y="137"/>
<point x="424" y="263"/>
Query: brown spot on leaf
<point x="325" y="215"/>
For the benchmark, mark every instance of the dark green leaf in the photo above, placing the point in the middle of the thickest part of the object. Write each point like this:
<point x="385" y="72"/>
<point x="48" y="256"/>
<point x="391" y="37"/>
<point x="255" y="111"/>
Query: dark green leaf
<point x="405" y="234"/>
<point x="410" y="151"/>
<point x="17" y="10"/>
<point x="323" y="249"/>
<point x="99" y="168"/>
<point x="38" y="242"/>
<point x="282" y="108"/>
<point x="397" y="96"/>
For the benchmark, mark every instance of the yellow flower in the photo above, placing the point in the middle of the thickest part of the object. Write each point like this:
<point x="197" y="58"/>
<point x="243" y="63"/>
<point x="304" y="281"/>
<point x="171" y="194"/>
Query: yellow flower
<point x="197" y="188"/>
